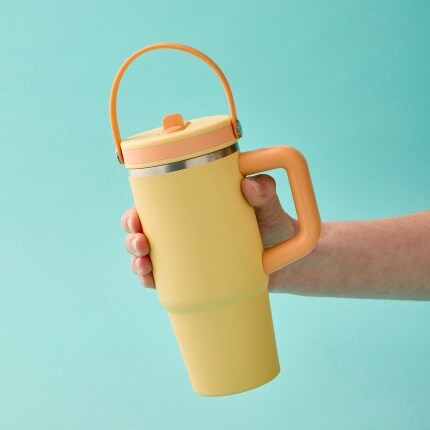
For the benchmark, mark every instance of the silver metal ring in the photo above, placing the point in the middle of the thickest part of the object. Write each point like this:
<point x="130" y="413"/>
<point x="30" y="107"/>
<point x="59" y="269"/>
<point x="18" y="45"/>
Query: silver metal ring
<point x="184" y="164"/>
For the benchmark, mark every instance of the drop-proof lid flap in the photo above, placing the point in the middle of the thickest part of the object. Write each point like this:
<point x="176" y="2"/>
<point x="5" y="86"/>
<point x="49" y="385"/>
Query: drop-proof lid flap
<point x="174" y="128"/>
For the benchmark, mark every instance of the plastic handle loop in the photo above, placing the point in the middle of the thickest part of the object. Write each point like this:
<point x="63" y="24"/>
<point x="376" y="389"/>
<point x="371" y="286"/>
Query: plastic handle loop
<point x="166" y="45"/>
<point x="304" y="200"/>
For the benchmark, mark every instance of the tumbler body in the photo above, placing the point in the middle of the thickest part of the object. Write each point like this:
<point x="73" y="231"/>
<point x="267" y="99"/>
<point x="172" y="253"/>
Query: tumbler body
<point x="206" y="251"/>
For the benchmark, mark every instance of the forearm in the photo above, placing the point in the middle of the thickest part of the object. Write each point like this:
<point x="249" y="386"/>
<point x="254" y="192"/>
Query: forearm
<point x="387" y="258"/>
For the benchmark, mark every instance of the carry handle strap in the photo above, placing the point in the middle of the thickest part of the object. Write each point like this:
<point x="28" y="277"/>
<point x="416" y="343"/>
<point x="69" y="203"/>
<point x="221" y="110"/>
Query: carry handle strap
<point x="166" y="45"/>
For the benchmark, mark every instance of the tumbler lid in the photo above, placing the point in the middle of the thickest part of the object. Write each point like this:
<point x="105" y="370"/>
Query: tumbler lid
<point x="177" y="140"/>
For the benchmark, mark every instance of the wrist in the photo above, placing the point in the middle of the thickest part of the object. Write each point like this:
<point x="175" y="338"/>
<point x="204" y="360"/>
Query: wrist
<point x="302" y="276"/>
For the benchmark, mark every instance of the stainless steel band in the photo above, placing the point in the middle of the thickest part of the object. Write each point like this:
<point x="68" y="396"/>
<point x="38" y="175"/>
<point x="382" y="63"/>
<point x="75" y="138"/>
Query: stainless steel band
<point x="184" y="164"/>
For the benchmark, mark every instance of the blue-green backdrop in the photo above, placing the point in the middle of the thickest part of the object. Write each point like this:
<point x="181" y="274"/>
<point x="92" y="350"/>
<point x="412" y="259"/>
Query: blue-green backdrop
<point x="82" y="345"/>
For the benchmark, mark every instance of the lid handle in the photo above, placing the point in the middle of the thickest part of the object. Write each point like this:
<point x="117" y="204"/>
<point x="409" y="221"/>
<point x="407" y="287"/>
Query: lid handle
<point x="179" y="47"/>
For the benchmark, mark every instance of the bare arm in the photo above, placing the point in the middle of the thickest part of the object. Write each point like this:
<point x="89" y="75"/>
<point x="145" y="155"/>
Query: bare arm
<point x="384" y="258"/>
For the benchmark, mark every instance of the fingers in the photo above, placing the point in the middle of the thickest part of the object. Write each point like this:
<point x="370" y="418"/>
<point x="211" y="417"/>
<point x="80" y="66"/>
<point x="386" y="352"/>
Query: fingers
<point x="274" y="223"/>
<point x="137" y="244"/>
<point x="147" y="280"/>
<point x="140" y="262"/>
<point x="258" y="190"/>
<point x="141" y="265"/>
<point x="130" y="221"/>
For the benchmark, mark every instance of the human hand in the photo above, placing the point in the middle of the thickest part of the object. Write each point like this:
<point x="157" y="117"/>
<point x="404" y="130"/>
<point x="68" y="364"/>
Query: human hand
<point x="274" y="223"/>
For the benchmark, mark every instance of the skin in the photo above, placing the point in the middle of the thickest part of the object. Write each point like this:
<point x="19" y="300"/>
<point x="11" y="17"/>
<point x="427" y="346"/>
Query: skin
<point x="384" y="258"/>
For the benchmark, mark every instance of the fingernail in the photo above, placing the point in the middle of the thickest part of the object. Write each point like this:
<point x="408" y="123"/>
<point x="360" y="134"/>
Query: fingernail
<point x="258" y="188"/>
<point x="128" y="222"/>
<point x="133" y="244"/>
<point x="137" y="263"/>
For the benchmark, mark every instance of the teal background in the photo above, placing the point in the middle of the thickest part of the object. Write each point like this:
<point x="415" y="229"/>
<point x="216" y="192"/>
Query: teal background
<point x="82" y="345"/>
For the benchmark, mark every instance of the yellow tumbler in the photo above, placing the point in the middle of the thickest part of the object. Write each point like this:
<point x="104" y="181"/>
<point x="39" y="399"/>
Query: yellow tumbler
<point x="209" y="264"/>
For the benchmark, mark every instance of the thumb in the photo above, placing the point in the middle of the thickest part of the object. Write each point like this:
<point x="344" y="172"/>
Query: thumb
<point x="274" y="223"/>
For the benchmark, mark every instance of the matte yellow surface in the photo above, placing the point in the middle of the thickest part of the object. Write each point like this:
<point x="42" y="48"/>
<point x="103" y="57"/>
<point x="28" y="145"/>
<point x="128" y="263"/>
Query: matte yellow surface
<point x="206" y="252"/>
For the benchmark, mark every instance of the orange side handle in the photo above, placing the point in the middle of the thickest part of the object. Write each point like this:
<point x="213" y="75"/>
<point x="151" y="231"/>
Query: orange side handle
<point x="179" y="47"/>
<point x="308" y="216"/>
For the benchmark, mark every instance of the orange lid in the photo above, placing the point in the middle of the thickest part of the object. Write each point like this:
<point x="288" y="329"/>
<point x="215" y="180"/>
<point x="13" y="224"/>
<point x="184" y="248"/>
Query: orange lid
<point x="176" y="139"/>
